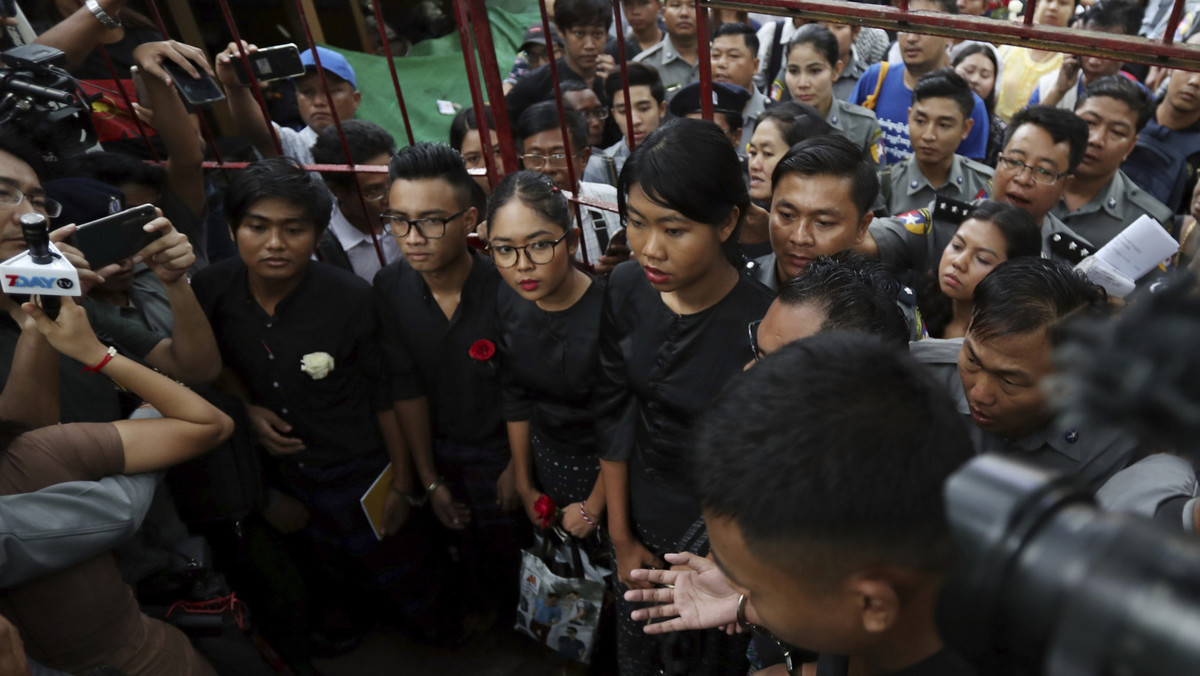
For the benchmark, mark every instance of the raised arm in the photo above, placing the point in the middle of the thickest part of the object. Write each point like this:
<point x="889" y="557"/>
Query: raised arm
<point x="189" y="426"/>
<point x="247" y="116"/>
<point x="79" y="34"/>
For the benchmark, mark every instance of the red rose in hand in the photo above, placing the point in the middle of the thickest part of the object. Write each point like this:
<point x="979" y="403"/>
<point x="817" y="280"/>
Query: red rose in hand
<point x="482" y="349"/>
<point x="545" y="508"/>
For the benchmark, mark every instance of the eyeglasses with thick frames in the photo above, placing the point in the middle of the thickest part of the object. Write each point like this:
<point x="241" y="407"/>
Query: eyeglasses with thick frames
<point x="1040" y="174"/>
<point x="11" y="195"/>
<point x="433" y="227"/>
<point x="752" y="330"/>
<point x="600" y="113"/>
<point x="540" y="252"/>
<point x="534" y="161"/>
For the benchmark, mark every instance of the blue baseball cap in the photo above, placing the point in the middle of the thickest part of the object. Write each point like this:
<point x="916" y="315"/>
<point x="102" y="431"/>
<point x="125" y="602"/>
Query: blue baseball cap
<point x="331" y="61"/>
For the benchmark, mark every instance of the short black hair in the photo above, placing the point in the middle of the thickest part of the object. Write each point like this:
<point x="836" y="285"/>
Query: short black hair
<point x="854" y="293"/>
<point x="1061" y="125"/>
<point x="949" y="6"/>
<point x="570" y="14"/>
<point x="1125" y="15"/>
<point x="544" y="115"/>
<point x="945" y="83"/>
<point x="819" y="37"/>
<point x="689" y="165"/>
<point x="989" y="52"/>
<point x="25" y="150"/>
<point x="427" y="160"/>
<point x="365" y="140"/>
<point x="281" y="178"/>
<point x="1124" y="90"/>
<point x="536" y="191"/>
<point x="466" y="121"/>
<point x="842" y="467"/>
<point x="744" y="30"/>
<point x="1028" y="294"/>
<point x="117" y="168"/>
<point x="797" y="121"/>
<point x="640" y="75"/>
<point x="837" y="156"/>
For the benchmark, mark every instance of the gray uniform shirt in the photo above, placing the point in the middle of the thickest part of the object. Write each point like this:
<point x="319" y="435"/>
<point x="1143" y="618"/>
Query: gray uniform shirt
<point x="1091" y="454"/>
<point x="904" y="188"/>
<point x="1111" y="210"/>
<point x="1145" y="485"/>
<point x="672" y="68"/>
<point x="598" y="169"/>
<point x="859" y="125"/>
<point x="754" y="107"/>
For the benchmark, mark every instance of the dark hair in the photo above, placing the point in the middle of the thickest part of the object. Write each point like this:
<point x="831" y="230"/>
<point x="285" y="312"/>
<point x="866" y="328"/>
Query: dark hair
<point x="821" y="38"/>
<point x="542" y="116"/>
<point x="981" y="48"/>
<point x="25" y="150"/>
<point x="365" y="141"/>
<point x="117" y="168"/>
<point x="1124" y="90"/>
<point x="743" y="30"/>
<point x="832" y="155"/>
<point x="281" y="178"/>
<point x="1125" y="15"/>
<point x="949" y="6"/>
<point x="1022" y="237"/>
<point x="572" y="86"/>
<point x="464" y="122"/>
<point x="536" y="191"/>
<point x="640" y="75"/>
<point x="854" y="293"/>
<point x="427" y="160"/>
<point x="570" y="14"/>
<point x="1061" y="125"/>
<point x="796" y="121"/>
<point x="840" y="468"/>
<point x="945" y="83"/>
<point x="1031" y="293"/>
<point x="689" y="165"/>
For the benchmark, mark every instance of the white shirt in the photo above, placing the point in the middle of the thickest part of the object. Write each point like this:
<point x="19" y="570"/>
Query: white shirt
<point x="359" y="248"/>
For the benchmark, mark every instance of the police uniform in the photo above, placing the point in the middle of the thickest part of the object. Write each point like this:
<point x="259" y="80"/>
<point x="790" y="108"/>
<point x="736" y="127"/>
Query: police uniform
<point x="915" y="240"/>
<point x="674" y="70"/>
<point x="859" y="125"/>
<point x="1161" y="487"/>
<point x="755" y="107"/>
<point x="1092" y="453"/>
<point x="1112" y="209"/>
<point x="903" y="187"/>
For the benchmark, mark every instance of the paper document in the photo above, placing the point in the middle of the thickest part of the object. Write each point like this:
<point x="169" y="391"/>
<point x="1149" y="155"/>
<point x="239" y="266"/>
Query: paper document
<point x="1138" y="249"/>
<point x="372" y="500"/>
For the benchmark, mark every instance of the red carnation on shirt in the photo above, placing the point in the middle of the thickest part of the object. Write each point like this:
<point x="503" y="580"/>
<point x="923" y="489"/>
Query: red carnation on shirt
<point x="482" y="349"/>
<point x="545" y="509"/>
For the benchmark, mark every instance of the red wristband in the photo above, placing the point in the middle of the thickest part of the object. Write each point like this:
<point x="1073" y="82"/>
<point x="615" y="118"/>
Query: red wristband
<point x="112" y="352"/>
<point x="583" y="511"/>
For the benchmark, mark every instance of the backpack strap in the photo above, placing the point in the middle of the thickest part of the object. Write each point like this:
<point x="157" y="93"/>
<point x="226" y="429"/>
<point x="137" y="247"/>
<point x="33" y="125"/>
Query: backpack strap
<point x="776" y="59"/>
<point x="870" y="101"/>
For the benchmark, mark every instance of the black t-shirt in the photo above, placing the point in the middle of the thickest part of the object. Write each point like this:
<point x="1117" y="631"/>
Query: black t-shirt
<point x="538" y="86"/>
<point x="429" y="355"/>
<point x="942" y="663"/>
<point x="331" y="311"/>
<point x="548" y="362"/>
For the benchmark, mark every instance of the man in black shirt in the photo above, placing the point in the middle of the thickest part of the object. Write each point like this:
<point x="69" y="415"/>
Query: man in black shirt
<point x="437" y="310"/>
<point x="583" y="25"/>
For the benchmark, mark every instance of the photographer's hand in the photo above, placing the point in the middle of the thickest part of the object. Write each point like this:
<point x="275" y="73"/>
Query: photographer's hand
<point x="149" y="58"/>
<point x="226" y="74"/>
<point x="169" y="256"/>
<point x="87" y="277"/>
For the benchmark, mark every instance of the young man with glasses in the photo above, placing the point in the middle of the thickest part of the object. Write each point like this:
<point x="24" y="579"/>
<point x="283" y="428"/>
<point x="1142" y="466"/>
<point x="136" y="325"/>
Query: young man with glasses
<point x="579" y="97"/>
<point x="539" y="136"/>
<point x="437" y="308"/>
<point x="1043" y="147"/>
<point x="355" y="225"/>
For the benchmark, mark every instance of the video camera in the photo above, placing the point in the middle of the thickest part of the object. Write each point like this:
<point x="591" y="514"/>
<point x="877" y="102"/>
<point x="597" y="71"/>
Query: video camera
<point x="1048" y="583"/>
<point x="41" y="101"/>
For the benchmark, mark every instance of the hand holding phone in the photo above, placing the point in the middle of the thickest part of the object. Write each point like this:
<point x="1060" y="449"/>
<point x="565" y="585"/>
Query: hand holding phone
<point x="269" y="64"/>
<point x="116" y="237"/>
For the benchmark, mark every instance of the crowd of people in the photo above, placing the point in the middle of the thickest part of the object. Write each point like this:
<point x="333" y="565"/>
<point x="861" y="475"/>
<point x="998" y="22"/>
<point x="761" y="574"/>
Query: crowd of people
<point x="737" y="358"/>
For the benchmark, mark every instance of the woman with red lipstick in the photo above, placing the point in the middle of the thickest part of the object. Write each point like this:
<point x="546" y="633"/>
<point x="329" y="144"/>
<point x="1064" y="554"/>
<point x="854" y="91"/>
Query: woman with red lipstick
<point x="672" y="333"/>
<point x="993" y="233"/>
<point x="549" y="320"/>
<point x="812" y="68"/>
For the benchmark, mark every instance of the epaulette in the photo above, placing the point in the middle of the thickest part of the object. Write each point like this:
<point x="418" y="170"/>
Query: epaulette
<point x="950" y="210"/>
<point x="906" y="296"/>
<point x="1070" y="249"/>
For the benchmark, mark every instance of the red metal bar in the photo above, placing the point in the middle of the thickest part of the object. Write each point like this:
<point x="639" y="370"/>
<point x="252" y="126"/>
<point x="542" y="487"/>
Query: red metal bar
<point x="258" y="97"/>
<point x="494" y="85"/>
<point x="903" y="5"/>
<point x="622" y="64"/>
<point x="331" y="168"/>
<point x="462" y="17"/>
<point x="704" y="55"/>
<point x="112" y="69"/>
<point x="1173" y="22"/>
<point x="568" y="148"/>
<point x="387" y="50"/>
<point x="1126" y="48"/>
<point x="1029" y="9"/>
<point x="337" y="123"/>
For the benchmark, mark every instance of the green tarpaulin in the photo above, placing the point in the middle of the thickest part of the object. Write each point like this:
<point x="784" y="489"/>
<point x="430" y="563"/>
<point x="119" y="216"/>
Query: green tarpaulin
<point x="433" y="71"/>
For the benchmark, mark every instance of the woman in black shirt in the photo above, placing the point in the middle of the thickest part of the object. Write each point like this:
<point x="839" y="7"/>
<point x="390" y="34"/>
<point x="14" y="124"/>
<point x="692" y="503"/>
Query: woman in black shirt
<point x="549" y="317"/>
<point x="674" y="330"/>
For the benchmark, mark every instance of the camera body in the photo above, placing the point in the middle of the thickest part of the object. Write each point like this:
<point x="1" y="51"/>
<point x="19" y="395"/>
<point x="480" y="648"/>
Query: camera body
<point x="41" y="101"/>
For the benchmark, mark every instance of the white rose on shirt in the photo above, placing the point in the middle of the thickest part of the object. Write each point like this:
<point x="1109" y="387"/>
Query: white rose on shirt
<point x="317" y="364"/>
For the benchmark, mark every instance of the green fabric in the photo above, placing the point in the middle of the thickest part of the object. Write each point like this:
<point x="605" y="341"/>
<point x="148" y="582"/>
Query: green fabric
<point x="433" y="71"/>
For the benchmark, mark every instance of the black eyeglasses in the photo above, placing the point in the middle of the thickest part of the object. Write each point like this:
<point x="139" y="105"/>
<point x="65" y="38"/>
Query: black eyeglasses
<point x="1039" y="174"/>
<point x="540" y="252"/>
<point x="433" y="227"/>
<point x="12" y="196"/>
<point x="752" y="330"/>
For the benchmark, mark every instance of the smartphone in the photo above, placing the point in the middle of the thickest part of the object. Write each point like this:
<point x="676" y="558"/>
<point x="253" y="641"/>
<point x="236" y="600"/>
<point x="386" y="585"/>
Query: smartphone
<point x="201" y="91"/>
<point x="116" y="237"/>
<point x="270" y="63"/>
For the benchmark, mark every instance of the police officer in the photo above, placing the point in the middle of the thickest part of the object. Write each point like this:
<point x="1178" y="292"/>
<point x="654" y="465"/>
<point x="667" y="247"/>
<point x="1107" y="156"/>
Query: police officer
<point x="677" y="56"/>
<point x="728" y="102"/>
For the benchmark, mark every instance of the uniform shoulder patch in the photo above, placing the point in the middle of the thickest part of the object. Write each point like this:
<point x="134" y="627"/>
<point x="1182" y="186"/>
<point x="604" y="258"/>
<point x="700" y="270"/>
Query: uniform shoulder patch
<point x="917" y="221"/>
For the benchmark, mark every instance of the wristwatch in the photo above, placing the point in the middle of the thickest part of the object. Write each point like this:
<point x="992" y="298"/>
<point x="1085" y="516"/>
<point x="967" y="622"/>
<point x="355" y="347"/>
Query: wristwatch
<point x="102" y="16"/>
